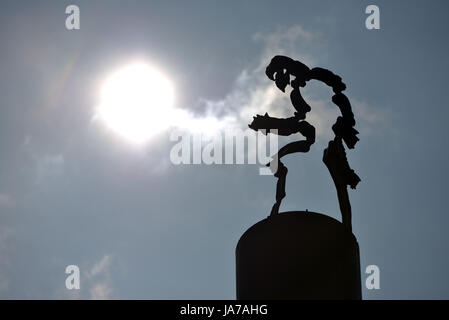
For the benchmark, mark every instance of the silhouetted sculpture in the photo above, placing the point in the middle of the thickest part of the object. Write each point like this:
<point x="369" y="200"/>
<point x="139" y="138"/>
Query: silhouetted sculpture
<point x="280" y="69"/>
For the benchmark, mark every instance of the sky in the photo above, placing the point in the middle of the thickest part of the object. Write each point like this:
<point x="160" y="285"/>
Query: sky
<point x="75" y="192"/>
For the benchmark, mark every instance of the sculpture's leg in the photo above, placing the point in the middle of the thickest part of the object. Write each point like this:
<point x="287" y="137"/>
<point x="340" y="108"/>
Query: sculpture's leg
<point x="281" y="174"/>
<point x="334" y="157"/>
<point x="345" y="205"/>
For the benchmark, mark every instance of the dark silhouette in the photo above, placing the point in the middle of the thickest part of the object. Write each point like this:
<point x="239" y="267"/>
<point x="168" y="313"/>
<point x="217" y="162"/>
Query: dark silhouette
<point x="303" y="255"/>
<point x="280" y="69"/>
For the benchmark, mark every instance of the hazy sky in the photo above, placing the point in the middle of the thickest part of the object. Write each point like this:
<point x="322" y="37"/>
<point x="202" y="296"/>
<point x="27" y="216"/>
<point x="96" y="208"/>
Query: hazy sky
<point x="74" y="192"/>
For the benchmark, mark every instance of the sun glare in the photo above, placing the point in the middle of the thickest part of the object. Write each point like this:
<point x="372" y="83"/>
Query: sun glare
<point x="136" y="102"/>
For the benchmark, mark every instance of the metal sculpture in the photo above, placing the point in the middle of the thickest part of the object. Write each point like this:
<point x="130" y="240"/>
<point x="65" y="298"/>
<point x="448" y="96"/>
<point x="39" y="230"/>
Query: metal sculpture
<point x="280" y="69"/>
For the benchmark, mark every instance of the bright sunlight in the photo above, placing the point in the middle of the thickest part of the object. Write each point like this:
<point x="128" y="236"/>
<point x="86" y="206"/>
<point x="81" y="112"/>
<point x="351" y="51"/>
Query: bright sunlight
<point x="137" y="102"/>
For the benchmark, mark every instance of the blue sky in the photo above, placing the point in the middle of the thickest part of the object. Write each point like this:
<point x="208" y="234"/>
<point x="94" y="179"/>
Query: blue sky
<point x="73" y="192"/>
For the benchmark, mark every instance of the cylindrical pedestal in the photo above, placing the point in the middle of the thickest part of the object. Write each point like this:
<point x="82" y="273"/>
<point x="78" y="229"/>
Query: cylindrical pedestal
<point x="298" y="255"/>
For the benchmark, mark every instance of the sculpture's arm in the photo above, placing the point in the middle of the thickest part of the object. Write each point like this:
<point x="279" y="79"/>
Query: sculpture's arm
<point x="279" y="126"/>
<point x="283" y="126"/>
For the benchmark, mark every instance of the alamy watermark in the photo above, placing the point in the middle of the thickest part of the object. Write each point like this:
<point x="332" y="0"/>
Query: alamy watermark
<point x="372" y="22"/>
<point x="373" y="279"/>
<point x="72" y="22"/>
<point x="73" y="279"/>
<point x="233" y="146"/>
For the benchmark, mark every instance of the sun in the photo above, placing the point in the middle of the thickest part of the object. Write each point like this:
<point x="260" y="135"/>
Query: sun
<point x="136" y="102"/>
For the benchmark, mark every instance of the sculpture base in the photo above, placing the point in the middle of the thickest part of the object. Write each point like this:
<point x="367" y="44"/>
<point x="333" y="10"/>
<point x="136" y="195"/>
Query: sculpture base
<point x="298" y="255"/>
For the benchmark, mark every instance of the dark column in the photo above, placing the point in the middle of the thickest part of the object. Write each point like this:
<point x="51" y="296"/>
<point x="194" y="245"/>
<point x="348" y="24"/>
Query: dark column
<point x="298" y="255"/>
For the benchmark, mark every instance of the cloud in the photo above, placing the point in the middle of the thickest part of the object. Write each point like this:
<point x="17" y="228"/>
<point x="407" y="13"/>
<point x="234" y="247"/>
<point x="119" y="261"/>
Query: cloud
<point x="100" y="267"/>
<point x="101" y="291"/>
<point x="99" y="279"/>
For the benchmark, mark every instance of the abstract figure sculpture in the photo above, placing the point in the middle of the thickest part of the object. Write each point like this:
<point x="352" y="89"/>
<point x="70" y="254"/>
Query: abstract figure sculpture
<point x="280" y="69"/>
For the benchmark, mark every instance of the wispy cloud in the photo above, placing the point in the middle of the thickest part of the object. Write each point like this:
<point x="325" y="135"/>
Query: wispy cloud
<point x="101" y="291"/>
<point x="99" y="280"/>
<point x="100" y="267"/>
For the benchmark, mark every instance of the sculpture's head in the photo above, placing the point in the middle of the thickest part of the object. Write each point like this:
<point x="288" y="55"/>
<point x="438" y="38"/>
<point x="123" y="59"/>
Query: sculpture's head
<point x="281" y="68"/>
